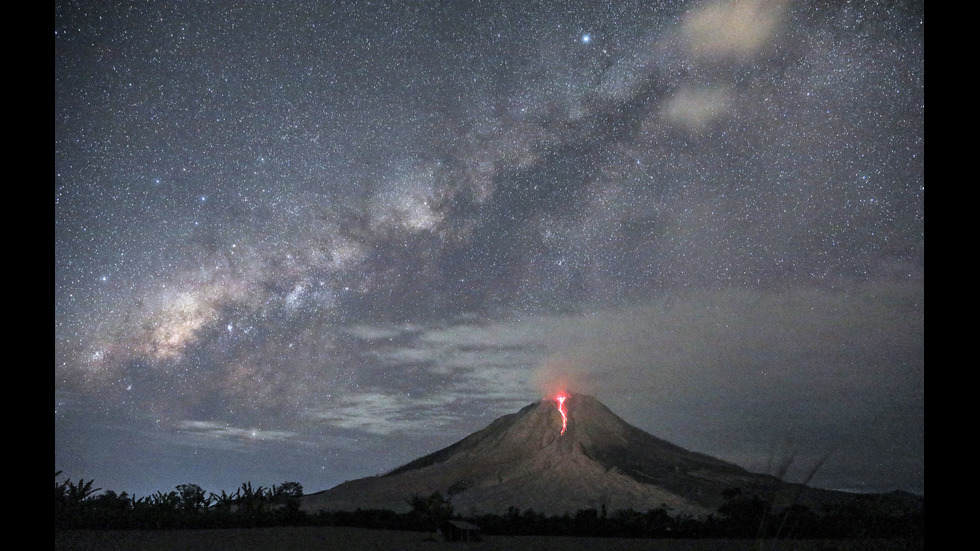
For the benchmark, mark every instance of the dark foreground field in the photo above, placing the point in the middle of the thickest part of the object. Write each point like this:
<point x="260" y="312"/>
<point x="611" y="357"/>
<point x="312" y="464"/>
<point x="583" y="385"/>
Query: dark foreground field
<point x="356" y="539"/>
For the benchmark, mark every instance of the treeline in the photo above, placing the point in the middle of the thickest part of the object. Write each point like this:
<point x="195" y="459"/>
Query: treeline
<point x="77" y="506"/>
<point x="740" y="517"/>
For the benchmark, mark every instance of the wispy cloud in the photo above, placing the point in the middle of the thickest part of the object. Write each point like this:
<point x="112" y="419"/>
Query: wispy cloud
<point x="385" y="413"/>
<point x="217" y="434"/>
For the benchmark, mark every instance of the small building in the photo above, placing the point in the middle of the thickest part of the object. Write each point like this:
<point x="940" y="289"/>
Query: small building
<point x="460" y="530"/>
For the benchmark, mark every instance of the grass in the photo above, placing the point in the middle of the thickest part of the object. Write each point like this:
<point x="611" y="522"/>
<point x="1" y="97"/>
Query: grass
<point x="357" y="539"/>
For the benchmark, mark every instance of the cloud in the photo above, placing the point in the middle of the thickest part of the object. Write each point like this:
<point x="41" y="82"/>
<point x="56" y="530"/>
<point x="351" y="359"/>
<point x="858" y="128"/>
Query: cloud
<point x="215" y="434"/>
<point x="566" y="373"/>
<point x="695" y="108"/>
<point x="731" y="30"/>
<point x="385" y="413"/>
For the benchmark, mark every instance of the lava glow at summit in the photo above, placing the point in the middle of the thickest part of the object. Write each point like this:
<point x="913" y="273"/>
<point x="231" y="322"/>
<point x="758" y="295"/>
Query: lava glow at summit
<point x="560" y="398"/>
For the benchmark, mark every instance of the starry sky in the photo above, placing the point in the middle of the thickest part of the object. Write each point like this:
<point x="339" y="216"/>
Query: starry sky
<point x="312" y="241"/>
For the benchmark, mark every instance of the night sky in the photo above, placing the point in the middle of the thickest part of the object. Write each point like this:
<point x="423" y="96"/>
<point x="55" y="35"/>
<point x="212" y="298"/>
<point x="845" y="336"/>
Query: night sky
<point x="312" y="241"/>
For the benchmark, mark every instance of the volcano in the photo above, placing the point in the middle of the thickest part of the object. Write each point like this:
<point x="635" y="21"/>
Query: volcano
<point x="525" y="460"/>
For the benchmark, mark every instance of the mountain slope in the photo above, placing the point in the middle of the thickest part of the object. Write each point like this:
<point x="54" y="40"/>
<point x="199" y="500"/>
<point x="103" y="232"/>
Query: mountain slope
<point x="523" y="460"/>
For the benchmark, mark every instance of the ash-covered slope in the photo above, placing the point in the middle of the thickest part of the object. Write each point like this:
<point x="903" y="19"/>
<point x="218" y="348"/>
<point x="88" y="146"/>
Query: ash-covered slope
<point x="523" y="460"/>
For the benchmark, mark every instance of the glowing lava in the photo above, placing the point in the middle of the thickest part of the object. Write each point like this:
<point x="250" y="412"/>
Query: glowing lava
<point x="560" y="398"/>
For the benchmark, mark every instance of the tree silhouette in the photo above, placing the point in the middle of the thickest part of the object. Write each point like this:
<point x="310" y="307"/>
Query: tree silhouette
<point x="428" y="513"/>
<point x="70" y="502"/>
<point x="250" y="499"/>
<point x="287" y="490"/>
<point x="225" y="501"/>
<point x="192" y="498"/>
<point x="285" y="502"/>
<point x="743" y="514"/>
<point x="73" y="494"/>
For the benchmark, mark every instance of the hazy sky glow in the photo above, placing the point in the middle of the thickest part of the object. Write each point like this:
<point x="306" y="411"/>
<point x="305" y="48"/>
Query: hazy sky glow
<point x="312" y="241"/>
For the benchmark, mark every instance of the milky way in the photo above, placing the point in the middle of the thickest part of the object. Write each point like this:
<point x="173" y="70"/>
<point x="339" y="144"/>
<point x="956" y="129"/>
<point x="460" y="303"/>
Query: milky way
<point x="311" y="241"/>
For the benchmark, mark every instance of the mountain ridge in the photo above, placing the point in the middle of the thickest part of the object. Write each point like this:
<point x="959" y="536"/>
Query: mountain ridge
<point x="523" y="460"/>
